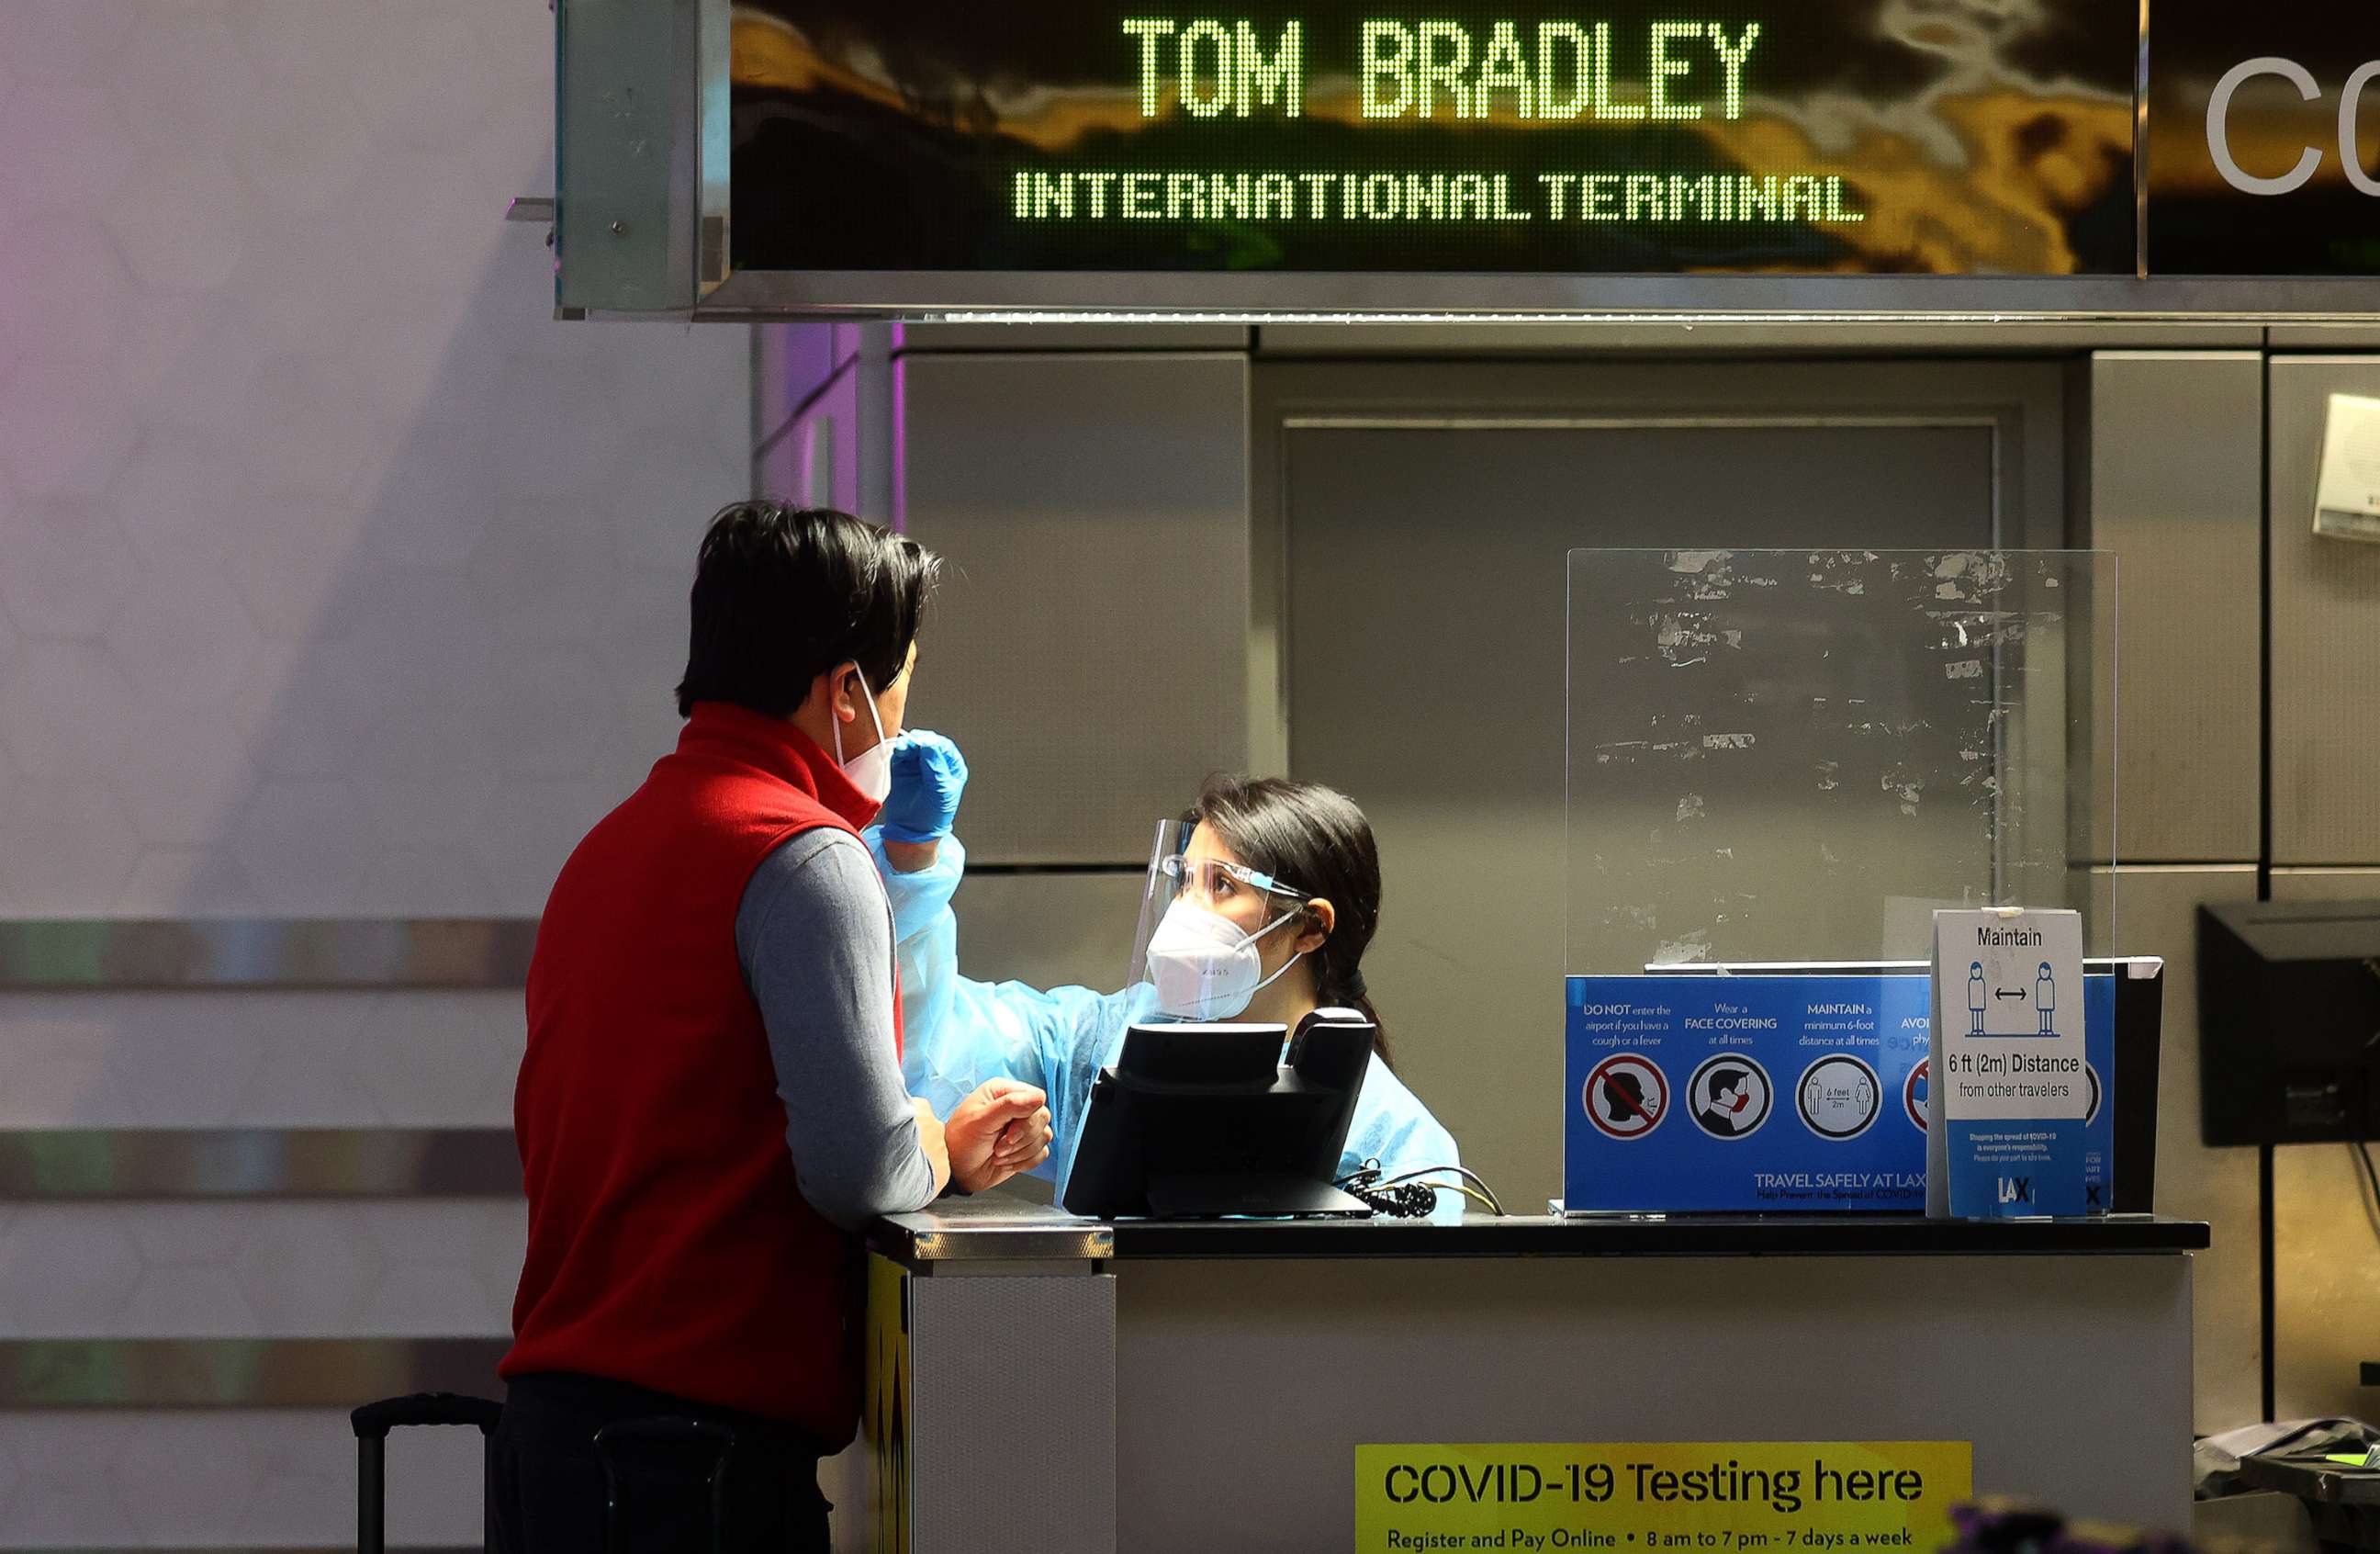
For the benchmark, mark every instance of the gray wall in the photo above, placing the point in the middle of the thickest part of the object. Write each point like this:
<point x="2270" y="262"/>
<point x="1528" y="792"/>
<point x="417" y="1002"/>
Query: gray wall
<point x="1427" y="509"/>
<point x="2325" y="840"/>
<point x="2171" y="483"/>
<point x="337" y="579"/>
<point x="1086" y="646"/>
<point x="2165" y="462"/>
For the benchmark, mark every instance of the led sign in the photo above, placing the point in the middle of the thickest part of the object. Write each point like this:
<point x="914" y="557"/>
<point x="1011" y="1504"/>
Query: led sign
<point x="2263" y="140"/>
<point x="1775" y="137"/>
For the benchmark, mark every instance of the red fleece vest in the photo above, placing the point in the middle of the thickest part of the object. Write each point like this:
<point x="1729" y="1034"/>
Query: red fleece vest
<point x="668" y="1244"/>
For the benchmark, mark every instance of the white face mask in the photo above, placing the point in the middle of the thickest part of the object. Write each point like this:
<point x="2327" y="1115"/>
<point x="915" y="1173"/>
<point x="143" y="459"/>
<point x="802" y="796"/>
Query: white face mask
<point x="1203" y="967"/>
<point x="871" y="770"/>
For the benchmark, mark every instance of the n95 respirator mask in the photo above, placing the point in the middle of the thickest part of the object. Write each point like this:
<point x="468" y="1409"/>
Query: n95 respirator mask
<point x="1203" y="967"/>
<point x="871" y="770"/>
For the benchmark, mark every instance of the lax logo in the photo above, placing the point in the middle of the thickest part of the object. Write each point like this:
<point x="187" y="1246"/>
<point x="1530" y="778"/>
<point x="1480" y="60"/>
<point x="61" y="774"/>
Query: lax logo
<point x="2016" y="1189"/>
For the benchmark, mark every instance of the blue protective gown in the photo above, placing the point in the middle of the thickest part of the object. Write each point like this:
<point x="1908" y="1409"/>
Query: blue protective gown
<point x="957" y="1033"/>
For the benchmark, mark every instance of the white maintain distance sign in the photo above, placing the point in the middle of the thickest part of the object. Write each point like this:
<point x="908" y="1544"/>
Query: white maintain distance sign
<point x="2008" y="1014"/>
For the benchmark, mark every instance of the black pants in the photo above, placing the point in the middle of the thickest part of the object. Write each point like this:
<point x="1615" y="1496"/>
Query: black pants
<point x="548" y="1488"/>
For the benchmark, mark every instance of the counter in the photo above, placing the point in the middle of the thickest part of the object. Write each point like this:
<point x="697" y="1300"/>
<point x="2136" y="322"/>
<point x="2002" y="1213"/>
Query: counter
<point x="1203" y="1386"/>
<point x="991" y="1227"/>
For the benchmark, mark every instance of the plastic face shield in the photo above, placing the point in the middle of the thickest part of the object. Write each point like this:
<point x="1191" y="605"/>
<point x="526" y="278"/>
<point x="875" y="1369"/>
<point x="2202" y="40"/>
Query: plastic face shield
<point x="1210" y="883"/>
<point x="1156" y="892"/>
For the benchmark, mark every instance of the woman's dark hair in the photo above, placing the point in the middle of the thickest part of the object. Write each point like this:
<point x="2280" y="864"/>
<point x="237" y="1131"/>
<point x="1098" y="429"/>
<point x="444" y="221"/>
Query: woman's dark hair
<point x="1314" y="841"/>
<point x="782" y="594"/>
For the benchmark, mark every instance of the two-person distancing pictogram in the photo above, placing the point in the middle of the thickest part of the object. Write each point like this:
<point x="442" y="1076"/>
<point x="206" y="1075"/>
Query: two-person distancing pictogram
<point x="1839" y="1096"/>
<point x="1983" y="999"/>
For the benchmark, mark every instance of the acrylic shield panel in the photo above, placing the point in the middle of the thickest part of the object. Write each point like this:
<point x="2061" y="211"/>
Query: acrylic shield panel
<point x="1799" y="755"/>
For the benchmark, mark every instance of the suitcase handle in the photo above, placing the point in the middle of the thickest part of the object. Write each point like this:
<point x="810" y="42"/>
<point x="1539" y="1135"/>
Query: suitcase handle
<point x="374" y="1420"/>
<point x="664" y="1430"/>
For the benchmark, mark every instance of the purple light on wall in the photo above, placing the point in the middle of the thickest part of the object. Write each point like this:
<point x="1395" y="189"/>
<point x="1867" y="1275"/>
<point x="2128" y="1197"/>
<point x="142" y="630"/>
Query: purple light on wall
<point x="900" y="439"/>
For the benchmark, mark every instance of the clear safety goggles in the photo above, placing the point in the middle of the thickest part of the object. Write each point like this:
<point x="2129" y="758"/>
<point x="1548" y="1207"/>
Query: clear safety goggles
<point x="1212" y="881"/>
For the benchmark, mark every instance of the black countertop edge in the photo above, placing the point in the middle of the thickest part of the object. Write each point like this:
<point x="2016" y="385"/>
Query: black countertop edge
<point x="993" y="1228"/>
<point x="1675" y="1236"/>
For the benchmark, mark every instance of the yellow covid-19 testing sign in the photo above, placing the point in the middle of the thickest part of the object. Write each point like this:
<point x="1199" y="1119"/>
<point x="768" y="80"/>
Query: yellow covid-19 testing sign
<point x="1661" y="1498"/>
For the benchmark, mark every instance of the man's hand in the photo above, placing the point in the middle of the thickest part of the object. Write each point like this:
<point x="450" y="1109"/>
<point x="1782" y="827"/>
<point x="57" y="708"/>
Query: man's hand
<point x="1000" y="1130"/>
<point x="935" y="1142"/>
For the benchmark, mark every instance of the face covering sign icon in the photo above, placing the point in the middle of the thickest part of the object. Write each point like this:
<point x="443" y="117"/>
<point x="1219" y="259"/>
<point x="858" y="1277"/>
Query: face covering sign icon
<point x="1626" y="1097"/>
<point x="1728" y="1096"/>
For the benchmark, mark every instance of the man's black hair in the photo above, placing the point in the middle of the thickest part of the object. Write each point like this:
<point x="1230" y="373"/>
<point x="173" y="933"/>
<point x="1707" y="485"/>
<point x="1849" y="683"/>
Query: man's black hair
<point x="782" y="594"/>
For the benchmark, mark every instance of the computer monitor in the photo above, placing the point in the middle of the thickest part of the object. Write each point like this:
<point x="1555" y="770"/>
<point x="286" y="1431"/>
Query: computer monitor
<point x="2288" y="1002"/>
<point x="1206" y="1121"/>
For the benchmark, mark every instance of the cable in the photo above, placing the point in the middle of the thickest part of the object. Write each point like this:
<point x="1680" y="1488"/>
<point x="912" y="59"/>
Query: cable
<point x="1397" y="1195"/>
<point x="1472" y="1193"/>
<point x="2362" y="1153"/>
<point x="1489" y="1192"/>
<point x="1413" y="1201"/>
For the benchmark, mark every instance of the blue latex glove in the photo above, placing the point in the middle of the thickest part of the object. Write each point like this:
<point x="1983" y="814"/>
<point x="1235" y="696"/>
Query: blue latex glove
<point x="928" y="775"/>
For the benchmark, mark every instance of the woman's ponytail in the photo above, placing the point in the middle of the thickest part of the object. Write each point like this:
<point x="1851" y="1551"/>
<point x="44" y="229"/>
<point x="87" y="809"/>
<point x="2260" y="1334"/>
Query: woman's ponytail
<point x="1346" y="990"/>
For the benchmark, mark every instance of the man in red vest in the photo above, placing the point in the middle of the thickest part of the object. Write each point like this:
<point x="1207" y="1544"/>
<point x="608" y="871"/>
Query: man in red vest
<point x="711" y="1105"/>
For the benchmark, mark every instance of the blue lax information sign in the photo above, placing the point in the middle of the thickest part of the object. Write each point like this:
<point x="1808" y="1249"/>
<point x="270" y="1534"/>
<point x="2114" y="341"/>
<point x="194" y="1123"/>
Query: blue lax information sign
<point x="1789" y="1093"/>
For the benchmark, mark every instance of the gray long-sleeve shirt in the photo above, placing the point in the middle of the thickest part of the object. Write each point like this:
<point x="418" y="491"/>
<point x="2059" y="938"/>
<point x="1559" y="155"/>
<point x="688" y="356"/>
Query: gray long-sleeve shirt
<point x="814" y="935"/>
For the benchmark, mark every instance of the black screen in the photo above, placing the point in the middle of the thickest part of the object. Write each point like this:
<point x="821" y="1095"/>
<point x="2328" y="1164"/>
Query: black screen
<point x="2270" y="80"/>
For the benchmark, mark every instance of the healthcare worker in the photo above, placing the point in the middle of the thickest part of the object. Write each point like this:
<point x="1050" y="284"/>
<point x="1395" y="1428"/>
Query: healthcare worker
<point x="1259" y="906"/>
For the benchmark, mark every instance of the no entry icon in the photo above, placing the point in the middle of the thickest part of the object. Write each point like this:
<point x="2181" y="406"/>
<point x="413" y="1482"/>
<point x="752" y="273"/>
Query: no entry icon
<point x="1626" y="1096"/>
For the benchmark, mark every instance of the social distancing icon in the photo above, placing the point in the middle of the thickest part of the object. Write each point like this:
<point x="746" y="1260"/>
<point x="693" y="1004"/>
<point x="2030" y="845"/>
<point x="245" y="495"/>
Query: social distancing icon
<point x="1839" y="1096"/>
<point x="1626" y="1096"/>
<point x="1912" y="1093"/>
<point x="2028" y="1007"/>
<point x="1728" y="1096"/>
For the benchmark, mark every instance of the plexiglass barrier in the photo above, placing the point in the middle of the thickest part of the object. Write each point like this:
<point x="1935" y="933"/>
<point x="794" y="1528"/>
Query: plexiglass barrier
<point x="1799" y="755"/>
